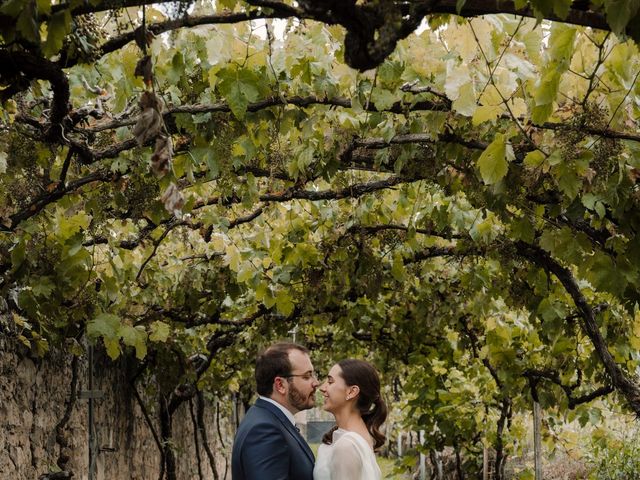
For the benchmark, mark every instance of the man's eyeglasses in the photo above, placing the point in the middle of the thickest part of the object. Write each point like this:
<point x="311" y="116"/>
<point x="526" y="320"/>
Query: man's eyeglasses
<point x="305" y="376"/>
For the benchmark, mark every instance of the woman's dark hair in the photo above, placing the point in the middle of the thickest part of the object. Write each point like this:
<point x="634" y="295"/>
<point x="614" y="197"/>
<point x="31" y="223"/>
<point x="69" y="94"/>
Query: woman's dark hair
<point x="370" y="403"/>
<point x="274" y="362"/>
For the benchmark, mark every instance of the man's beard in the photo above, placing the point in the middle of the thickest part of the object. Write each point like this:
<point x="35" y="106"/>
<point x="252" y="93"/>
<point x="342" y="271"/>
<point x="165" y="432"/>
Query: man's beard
<point x="298" y="400"/>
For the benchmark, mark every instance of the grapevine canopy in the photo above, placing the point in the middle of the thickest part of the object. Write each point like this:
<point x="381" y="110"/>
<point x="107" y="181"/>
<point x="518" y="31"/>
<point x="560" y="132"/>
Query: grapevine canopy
<point x="451" y="187"/>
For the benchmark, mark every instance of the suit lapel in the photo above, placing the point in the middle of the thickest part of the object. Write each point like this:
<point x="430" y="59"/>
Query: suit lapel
<point x="282" y="418"/>
<point x="296" y="433"/>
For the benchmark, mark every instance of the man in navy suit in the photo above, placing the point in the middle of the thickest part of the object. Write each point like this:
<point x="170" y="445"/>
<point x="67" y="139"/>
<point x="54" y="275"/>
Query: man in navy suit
<point x="268" y="446"/>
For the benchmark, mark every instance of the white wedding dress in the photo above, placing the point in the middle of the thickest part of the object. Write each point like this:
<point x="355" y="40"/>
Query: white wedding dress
<point x="349" y="457"/>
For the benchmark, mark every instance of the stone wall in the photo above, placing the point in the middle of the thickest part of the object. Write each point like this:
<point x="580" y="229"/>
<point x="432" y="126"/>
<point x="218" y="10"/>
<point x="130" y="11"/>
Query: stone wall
<point x="33" y="397"/>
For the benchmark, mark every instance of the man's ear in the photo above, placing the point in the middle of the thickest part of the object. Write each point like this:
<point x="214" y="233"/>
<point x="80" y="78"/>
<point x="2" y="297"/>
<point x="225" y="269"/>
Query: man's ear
<point x="279" y="386"/>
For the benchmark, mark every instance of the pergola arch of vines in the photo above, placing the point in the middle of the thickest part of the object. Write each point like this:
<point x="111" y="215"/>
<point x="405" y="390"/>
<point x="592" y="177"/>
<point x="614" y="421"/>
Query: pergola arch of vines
<point x="460" y="202"/>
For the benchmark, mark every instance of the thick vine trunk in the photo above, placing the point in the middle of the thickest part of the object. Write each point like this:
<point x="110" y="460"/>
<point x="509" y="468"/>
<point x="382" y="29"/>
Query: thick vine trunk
<point x="622" y="381"/>
<point x="166" y="434"/>
<point x="459" y="469"/>
<point x="501" y="458"/>
<point x="203" y="432"/>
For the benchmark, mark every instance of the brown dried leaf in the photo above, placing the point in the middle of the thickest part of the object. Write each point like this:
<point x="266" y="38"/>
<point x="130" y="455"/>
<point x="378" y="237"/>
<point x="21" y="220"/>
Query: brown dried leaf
<point x="634" y="175"/>
<point x="149" y="99"/>
<point x="162" y="155"/>
<point x="148" y="126"/>
<point x="144" y="69"/>
<point x="173" y="200"/>
<point x="589" y="175"/>
<point x="143" y="37"/>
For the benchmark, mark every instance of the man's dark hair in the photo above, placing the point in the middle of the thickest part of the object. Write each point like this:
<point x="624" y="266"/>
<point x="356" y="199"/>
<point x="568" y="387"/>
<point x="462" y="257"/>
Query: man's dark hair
<point x="274" y="362"/>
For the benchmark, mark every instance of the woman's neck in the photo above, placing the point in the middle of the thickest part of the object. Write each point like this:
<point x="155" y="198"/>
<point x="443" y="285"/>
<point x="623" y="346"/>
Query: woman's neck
<point x="350" y="420"/>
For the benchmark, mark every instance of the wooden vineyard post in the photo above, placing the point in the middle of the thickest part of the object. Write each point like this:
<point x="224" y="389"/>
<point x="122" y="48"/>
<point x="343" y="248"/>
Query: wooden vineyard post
<point x="485" y="460"/>
<point x="537" y="443"/>
<point x="423" y="459"/>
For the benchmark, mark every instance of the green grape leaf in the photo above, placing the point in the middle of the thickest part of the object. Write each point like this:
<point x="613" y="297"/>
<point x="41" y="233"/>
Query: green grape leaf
<point x="44" y="7"/>
<point x="57" y="29"/>
<point x="522" y="229"/>
<point x="486" y="113"/>
<point x="284" y="303"/>
<point x="466" y="103"/>
<point x="561" y="8"/>
<point x="494" y="161"/>
<point x="113" y="347"/>
<point x="104" y="325"/>
<point x="239" y="88"/>
<point x="620" y="12"/>
<point x="27" y="24"/>
<point x="534" y="159"/>
<point x="135" y="337"/>
<point x="159" y="331"/>
<point x="12" y="8"/>
<point x="18" y="254"/>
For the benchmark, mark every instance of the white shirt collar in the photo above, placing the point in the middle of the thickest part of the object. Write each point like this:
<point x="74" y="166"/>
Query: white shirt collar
<point x="287" y="413"/>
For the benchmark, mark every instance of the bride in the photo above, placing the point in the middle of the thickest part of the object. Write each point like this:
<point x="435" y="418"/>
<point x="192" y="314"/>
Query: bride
<point x="352" y="394"/>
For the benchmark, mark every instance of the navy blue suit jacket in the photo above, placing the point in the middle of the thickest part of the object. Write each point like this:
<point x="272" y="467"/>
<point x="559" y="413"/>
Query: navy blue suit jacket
<point x="268" y="447"/>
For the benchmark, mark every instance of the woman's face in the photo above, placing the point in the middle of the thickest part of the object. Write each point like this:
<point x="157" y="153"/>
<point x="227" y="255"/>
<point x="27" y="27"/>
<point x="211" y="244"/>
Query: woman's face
<point x="335" y="391"/>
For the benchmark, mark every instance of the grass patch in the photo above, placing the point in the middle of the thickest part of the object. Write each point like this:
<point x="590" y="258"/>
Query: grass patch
<point x="388" y="466"/>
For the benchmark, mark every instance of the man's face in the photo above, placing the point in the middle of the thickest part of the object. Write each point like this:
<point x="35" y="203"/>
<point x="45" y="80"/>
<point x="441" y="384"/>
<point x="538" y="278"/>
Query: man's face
<point x="302" y="383"/>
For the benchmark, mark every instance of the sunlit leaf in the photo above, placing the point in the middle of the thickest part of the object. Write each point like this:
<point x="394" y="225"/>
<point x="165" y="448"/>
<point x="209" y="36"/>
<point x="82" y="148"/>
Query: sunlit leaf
<point x="494" y="161"/>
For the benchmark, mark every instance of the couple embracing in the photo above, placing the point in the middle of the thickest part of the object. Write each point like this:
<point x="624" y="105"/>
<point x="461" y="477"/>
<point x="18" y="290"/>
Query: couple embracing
<point x="268" y="445"/>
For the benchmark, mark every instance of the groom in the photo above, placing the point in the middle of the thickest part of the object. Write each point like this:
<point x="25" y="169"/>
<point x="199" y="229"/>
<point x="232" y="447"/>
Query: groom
<point x="268" y="446"/>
